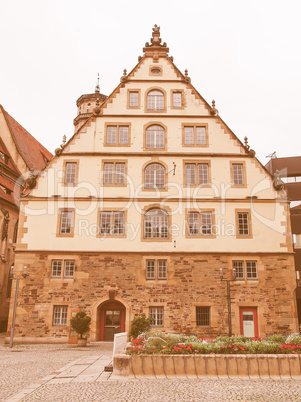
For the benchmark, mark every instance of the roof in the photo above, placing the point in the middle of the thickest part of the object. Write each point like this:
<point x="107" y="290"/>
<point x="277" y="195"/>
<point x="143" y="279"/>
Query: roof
<point x="34" y="154"/>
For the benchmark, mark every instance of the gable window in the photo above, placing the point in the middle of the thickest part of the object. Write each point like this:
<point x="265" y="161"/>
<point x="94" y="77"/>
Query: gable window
<point x="196" y="174"/>
<point x="243" y="223"/>
<point x="134" y="99"/>
<point x="66" y="222"/>
<point x="60" y="315"/>
<point x="156" y="315"/>
<point x="194" y="135"/>
<point x="156" y="224"/>
<point x="177" y="99"/>
<point x="155" y="100"/>
<point x="238" y="176"/>
<point x="203" y="316"/>
<point x="154" y="176"/>
<point x="155" y="137"/>
<point x="117" y="135"/>
<point x="114" y="173"/>
<point x="112" y="223"/>
<point x="70" y="172"/>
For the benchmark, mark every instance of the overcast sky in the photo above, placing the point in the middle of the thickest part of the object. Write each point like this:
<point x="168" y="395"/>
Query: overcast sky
<point x="244" y="54"/>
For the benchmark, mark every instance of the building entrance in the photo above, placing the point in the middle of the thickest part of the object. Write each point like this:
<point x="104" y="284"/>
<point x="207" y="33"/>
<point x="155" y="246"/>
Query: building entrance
<point x="112" y="320"/>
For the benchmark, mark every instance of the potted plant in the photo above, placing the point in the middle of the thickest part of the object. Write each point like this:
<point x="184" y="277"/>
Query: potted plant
<point x="81" y="325"/>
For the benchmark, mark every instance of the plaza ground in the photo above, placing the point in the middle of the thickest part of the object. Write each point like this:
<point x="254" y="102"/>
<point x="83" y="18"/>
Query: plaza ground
<point x="67" y="373"/>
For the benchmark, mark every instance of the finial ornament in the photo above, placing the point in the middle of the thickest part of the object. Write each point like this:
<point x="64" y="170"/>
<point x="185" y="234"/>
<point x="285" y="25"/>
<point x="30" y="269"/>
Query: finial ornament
<point x="97" y="89"/>
<point x="124" y="72"/>
<point x="64" y="141"/>
<point x="124" y="77"/>
<point x="247" y="146"/>
<point x="278" y="183"/>
<point x="213" y="111"/>
<point x="186" y="73"/>
<point x="155" y="49"/>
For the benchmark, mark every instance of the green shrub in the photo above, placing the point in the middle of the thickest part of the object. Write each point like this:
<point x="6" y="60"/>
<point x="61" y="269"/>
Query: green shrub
<point x="81" y="323"/>
<point x="276" y="338"/>
<point x="139" y="325"/>
<point x="294" y="339"/>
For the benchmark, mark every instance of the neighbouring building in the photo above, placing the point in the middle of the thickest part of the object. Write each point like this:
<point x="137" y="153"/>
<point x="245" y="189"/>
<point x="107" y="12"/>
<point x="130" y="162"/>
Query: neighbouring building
<point x="289" y="171"/>
<point x="151" y="207"/>
<point x="20" y="154"/>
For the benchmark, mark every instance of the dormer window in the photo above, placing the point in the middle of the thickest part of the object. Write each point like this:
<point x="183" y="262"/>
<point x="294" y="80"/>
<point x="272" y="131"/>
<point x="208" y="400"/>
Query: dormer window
<point x="155" y="100"/>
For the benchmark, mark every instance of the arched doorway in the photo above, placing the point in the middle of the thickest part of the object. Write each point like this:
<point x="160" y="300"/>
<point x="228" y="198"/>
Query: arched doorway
<point x="111" y="319"/>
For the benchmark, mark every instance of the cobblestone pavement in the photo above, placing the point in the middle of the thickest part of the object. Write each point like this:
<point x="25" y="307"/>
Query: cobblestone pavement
<point x="67" y="373"/>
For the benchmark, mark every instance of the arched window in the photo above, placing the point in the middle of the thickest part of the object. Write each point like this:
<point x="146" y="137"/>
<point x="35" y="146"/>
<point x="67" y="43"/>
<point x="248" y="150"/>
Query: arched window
<point x="155" y="137"/>
<point x="156" y="224"/>
<point x="154" y="176"/>
<point x="155" y="100"/>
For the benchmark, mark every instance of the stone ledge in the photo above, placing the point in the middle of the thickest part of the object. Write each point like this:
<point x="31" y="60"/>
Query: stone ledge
<point x="208" y="366"/>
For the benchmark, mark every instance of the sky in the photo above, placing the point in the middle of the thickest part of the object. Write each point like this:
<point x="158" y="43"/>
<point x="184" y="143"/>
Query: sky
<point x="244" y="54"/>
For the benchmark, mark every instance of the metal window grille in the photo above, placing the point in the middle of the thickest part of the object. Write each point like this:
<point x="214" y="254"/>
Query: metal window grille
<point x="203" y="316"/>
<point x="150" y="269"/>
<point x="155" y="100"/>
<point x="190" y="174"/>
<point x="206" y="222"/>
<point x="203" y="173"/>
<point x="193" y="223"/>
<point x="105" y="223"/>
<point x="177" y="99"/>
<point x="120" y="173"/>
<point x="112" y="135"/>
<point x="108" y="176"/>
<point x="156" y="316"/>
<point x="188" y="135"/>
<point x="251" y="269"/>
<point x="200" y="136"/>
<point x="70" y="175"/>
<point x="155" y="176"/>
<point x="243" y="223"/>
<point x="56" y="269"/>
<point x="66" y="221"/>
<point x="123" y="135"/>
<point x="69" y="268"/>
<point x="238" y="269"/>
<point x="60" y="315"/>
<point x="134" y="99"/>
<point x="118" y="225"/>
<point x="238" y="177"/>
<point x="155" y="137"/>
<point x="162" y="269"/>
<point x="156" y="224"/>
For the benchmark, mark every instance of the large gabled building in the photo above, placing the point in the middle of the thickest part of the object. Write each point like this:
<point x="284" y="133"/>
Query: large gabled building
<point x="154" y="206"/>
<point x="20" y="154"/>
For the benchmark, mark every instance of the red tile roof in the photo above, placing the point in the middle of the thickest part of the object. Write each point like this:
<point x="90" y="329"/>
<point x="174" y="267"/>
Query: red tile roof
<point x="33" y="153"/>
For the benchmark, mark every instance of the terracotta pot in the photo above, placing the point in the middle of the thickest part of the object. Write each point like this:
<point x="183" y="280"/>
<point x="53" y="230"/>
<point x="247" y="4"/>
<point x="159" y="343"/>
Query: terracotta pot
<point x="82" y="341"/>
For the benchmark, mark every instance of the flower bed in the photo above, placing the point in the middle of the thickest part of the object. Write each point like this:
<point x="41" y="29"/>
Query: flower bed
<point x="152" y="342"/>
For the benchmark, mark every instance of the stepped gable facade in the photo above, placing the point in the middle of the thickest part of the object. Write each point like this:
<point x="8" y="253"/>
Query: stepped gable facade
<point x="154" y="206"/>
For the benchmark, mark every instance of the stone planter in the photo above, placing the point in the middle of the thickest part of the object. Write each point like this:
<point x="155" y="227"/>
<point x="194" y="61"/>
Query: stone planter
<point x="82" y="341"/>
<point x="208" y="366"/>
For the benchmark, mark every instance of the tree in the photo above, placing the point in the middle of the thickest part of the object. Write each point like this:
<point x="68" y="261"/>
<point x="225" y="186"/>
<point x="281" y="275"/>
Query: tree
<point x="138" y="325"/>
<point x="81" y="323"/>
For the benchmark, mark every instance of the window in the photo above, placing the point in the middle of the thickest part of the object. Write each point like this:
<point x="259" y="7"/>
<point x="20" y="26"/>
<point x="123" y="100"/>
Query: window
<point x="200" y="223"/>
<point x="134" y="99"/>
<point x="56" y="271"/>
<point x="196" y="174"/>
<point x="155" y="101"/>
<point x="66" y="222"/>
<point x="114" y="173"/>
<point x="70" y="172"/>
<point x="238" y="174"/>
<point x="156" y="70"/>
<point x="203" y="316"/>
<point x="155" y="137"/>
<point x="156" y="316"/>
<point x="151" y="269"/>
<point x="206" y="223"/>
<point x="243" y="224"/>
<point x="156" y="224"/>
<point x="69" y="269"/>
<point x="117" y="135"/>
<point x="194" y="135"/>
<point x="4" y="157"/>
<point x="251" y="269"/>
<point x="154" y="176"/>
<point x="60" y="315"/>
<point x="112" y="223"/>
<point x="193" y="224"/>
<point x="177" y="99"/>
<point x="239" y="269"/>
